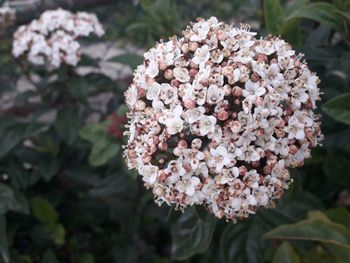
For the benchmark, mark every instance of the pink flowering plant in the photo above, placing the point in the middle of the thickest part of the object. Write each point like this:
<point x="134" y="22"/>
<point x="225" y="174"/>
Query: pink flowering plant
<point x="217" y="117"/>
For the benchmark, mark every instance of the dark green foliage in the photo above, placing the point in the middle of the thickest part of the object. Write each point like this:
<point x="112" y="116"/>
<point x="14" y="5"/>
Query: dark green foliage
<point x="65" y="192"/>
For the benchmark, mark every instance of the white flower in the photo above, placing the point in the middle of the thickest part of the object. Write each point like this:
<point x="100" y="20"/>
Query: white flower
<point x="176" y="170"/>
<point x="193" y="157"/>
<point x="189" y="186"/>
<point x="153" y="91"/>
<point x="201" y="55"/>
<point x="295" y="129"/>
<point x="201" y="30"/>
<point x="194" y="115"/>
<point x="215" y="94"/>
<point x="52" y="39"/>
<point x="298" y="96"/>
<point x="181" y="74"/>
<point x="206" y="125"/>
<point x="152" y="69"/>
<point x="174" y="125"/>
<point x="220" y="157"/>
<point x="172" y="120"/>
<point x="149" y="173"/>
<point x="250" y="154"/>
<point x="131" y="96"/>
<point x="252" y="90"/>
<point x="168" y="93"/>
<point x="281" y="146"/>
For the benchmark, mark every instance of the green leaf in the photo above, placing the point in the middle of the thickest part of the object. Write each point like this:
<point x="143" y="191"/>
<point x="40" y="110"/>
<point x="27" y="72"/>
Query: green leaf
<point x="94" y="131"/>
<point x="58" y="234"/>
<point x="12" y="133"/>
<point x="241" y="242"/>
<point x="191" y="235"/>
<point x="286" y="254"/>
<point x="103" y="151"/>
<point x="273" y="14"/>
<point x="334" y="236"/>
<point x="339" y="215"/>
<point x="337" y="166"/>
<point x="290" y="30"/>
<point x="323" y="13"/>
<point x="86" y="258"/>
<point x="4" y="253"/>
<point x="68" y="121"/>
<point x="10" y="200"/>
<point x="49" y="257"/>
<point x="104" y="147"/>
<point x="338" y="108"/>
<point x="43" y="210"/>
<point x="48" y="167"/>
<point x="131" y="59"/>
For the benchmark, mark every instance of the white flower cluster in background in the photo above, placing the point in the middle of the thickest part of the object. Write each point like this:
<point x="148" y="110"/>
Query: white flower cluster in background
<point x="217" y="117"/>
<point x="7" y="17"/>
<point x="52" y="39"/>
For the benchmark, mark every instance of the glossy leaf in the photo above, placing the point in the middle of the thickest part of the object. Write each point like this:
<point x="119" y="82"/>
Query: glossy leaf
<point x="334" y="236"/>
<point x="324" y="13"/>
<point x="43" y="210"/>
<point x="285" y="253"/>
<point x="191" y="235"/>
<point x="68" y="122"/>
<point x="58" y="234"/>
<point x="339" y="215"/>
<point x="338" y="108"/>
<point x="273" y="14"/>
<point x="241" y="243"/>
<point x="49" y="257"/>
<point x="9" y="200"/>
<point x="12" y="133"/>
<point x="104" y="147"/>
<point x="103" y="151"/>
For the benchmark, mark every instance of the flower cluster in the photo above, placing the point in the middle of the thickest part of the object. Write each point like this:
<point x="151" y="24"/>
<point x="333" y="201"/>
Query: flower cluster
<point x="7" y="17"/>
<point x="218" y="116"/>
<point x="52" y="39"/>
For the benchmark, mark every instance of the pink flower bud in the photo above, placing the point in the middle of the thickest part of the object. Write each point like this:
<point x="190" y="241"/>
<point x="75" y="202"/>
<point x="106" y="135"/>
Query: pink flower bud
<point x="141" y="92"/>
<point x="182" y="144"/>
<point x="228" y="90"/>
<point x="162" y="65"/>
<point x="222" y="115"/>
<point x="175" y="83"/>
<point x="221" y="35"/>
<point x="189" y="104"/>
<point x="236" y="91"/>
<point x="185" y="48"/>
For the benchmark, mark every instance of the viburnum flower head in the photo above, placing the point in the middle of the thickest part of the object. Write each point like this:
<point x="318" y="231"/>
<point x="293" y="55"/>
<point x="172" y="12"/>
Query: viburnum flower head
<point x="52" y="39"/>
<point x="217" y="118"/>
